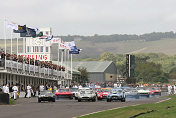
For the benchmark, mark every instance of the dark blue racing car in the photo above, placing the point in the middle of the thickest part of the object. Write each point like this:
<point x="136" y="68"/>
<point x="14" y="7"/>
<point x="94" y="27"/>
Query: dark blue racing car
<point x="116" y="94"/>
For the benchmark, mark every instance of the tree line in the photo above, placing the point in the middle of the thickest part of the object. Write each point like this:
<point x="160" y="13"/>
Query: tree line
<point x="149" y="67"/>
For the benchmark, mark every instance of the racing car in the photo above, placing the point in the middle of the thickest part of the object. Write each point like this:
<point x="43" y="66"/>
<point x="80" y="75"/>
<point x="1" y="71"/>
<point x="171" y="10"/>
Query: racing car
<point x="116" y="94"/>
<point x="46" y="95"/>
<point x="64" y="93"/>
<point x="103" y="93"/>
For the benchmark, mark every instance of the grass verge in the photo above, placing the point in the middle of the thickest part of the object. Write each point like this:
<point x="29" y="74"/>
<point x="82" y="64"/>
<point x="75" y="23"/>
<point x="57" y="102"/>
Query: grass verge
<point x="166" y="109"/>
<point x="11" y="101"/>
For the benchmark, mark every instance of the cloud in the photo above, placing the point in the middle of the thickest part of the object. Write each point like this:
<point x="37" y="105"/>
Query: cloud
<point x="88" y="17"/>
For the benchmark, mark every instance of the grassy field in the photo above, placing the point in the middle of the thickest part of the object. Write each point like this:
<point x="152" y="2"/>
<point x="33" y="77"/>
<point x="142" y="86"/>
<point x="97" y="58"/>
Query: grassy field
<point x="166" y="109"/>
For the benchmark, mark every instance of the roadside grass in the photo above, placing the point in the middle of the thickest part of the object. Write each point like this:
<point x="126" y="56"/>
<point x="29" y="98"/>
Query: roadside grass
<point x="11" y="101"/>
<point x="166" y="109"/>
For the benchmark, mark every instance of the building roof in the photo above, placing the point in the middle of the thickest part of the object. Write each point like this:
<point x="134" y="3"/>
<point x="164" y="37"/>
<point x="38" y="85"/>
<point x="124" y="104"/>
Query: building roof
<point x="92" y="66"/>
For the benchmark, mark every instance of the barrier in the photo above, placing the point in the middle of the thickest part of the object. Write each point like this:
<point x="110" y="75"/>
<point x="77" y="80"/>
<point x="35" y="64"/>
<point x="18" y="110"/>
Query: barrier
<point x="4" y="98"/>
<point x="38" y="69"/>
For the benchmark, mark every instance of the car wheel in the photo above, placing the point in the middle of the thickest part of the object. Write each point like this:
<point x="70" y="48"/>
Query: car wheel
<point x="148" y="95"/>
<point x="108" y="100"/>
<point x="123" y="100"/>
<point x="39" y="100"/>
<point x="71" y="97"/>
<point x="99" y="98"/>
<point x="53" y="100"/>
<point x="79" y="100"/>
<point x="93" y="100"/>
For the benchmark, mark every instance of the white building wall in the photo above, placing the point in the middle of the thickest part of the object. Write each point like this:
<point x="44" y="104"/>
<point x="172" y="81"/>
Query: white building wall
<point x="39" y="48"/>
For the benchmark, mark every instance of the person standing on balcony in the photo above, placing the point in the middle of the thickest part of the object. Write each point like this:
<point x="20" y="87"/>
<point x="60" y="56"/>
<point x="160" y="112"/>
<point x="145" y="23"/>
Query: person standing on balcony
<point x="3" y="58"/>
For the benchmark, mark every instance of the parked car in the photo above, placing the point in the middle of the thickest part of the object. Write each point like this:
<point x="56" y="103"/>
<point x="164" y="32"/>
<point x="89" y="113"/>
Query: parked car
<point x="64" y="93"/>
<point x="155" y="91"/>
<point x="116" y="94"/>
<point x="86" y="95"/>
<point x="46" y="95"/>
<point x="142" y="91"/>
<point x="103" y="93"/>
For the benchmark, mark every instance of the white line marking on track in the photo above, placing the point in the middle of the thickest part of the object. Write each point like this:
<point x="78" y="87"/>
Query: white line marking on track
<point x="163" y="100"/>
<point x="117" y="108"/>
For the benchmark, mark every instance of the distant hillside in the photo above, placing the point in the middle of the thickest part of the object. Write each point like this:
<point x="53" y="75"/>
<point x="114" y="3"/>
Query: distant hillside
<point x="95" y="45"/>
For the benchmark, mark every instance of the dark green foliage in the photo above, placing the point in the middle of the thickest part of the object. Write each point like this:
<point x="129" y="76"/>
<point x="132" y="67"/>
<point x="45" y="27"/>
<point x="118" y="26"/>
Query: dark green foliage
<point x="84" y="74"/>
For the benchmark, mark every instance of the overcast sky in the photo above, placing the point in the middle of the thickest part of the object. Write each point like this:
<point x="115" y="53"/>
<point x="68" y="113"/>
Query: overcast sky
<point x="89" y="17"/>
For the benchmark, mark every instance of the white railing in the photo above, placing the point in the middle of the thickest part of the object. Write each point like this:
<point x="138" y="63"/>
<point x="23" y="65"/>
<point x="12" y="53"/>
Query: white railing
<point x="30" y="68"/>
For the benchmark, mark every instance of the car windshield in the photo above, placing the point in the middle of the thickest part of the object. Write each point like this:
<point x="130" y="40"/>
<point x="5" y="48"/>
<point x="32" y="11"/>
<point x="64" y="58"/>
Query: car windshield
<point x="45" y="92"/>
<point x="63" y="90"/>
<point x="116" y="91"/>
<point x="86" y="92"/>
<point x="105" y="90"/>
<point x="153" y="88"/>
<point x="141" y="88"/>
<point x="74" y="89"/>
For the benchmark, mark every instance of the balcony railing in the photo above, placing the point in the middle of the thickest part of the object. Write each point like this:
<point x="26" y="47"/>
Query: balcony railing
<point x="35" y="70"/>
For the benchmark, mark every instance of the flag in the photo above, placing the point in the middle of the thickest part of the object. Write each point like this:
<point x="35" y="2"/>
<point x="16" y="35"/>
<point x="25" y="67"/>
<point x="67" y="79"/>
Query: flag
<point x="74" y="50"/>
<point x="29" y="33"/>
<point x="21" y="29"/>
<point x="12" y="25"/>
<point x="40" y="34"/>
<point x="56" y="40"/>
<point x="35" y="29"/>
<point x="62" y="45"/>
<point x="69" y="44"/>
<point x="49" y="38"/>
<point x="43" y="37"/>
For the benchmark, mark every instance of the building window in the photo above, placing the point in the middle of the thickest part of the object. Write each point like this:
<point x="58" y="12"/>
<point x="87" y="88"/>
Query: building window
<point x="41" y="49"/>
<point x="33" y="48"/>
<point x="28" y="49"/>
<point x="47" y="49"/>
<point x="36" y="49"/>
<point x="47" y="33"/>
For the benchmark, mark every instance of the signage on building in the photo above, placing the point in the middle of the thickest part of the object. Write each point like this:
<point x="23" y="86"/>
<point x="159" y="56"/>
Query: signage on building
<point x="40" y="57"/>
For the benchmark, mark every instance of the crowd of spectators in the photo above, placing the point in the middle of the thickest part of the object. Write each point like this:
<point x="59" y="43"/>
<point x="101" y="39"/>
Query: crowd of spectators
<point x="27" y="60"/>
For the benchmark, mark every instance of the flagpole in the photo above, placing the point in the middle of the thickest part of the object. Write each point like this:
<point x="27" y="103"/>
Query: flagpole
<point x="11" y="47"/>
<point x="17" y="52"/>
<point x="23" y="54"/>
<point x="67" y="63"/>
<point x="58" y="60"/>
<point x="34" y="55"/>
<point x="5" y="41"/>
<point x="71" y="66"/>
<point x="44" y="53"/>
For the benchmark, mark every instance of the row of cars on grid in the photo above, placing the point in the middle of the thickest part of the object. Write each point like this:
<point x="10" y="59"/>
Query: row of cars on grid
<point x="93" y="94"/>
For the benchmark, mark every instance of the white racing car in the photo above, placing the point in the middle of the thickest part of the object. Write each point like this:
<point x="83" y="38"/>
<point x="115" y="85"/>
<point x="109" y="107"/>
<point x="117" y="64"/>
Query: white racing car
<point x="86" y="95"/>
<point x="142" y="91"/>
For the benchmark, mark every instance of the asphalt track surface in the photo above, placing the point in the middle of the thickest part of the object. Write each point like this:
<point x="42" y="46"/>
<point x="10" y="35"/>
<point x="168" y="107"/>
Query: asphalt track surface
<point x="29" y="108"/>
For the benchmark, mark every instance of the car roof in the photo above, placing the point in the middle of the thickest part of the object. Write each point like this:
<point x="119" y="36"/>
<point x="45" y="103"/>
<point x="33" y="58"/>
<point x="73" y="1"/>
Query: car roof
<point x="106" y="88"/>
<point x="117" y="89"/>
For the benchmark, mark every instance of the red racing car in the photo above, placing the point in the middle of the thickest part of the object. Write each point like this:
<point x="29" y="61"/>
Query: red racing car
<point x="103" y="93"/>
<point x="155" y="91"/>
<point x="64" y="93"/>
